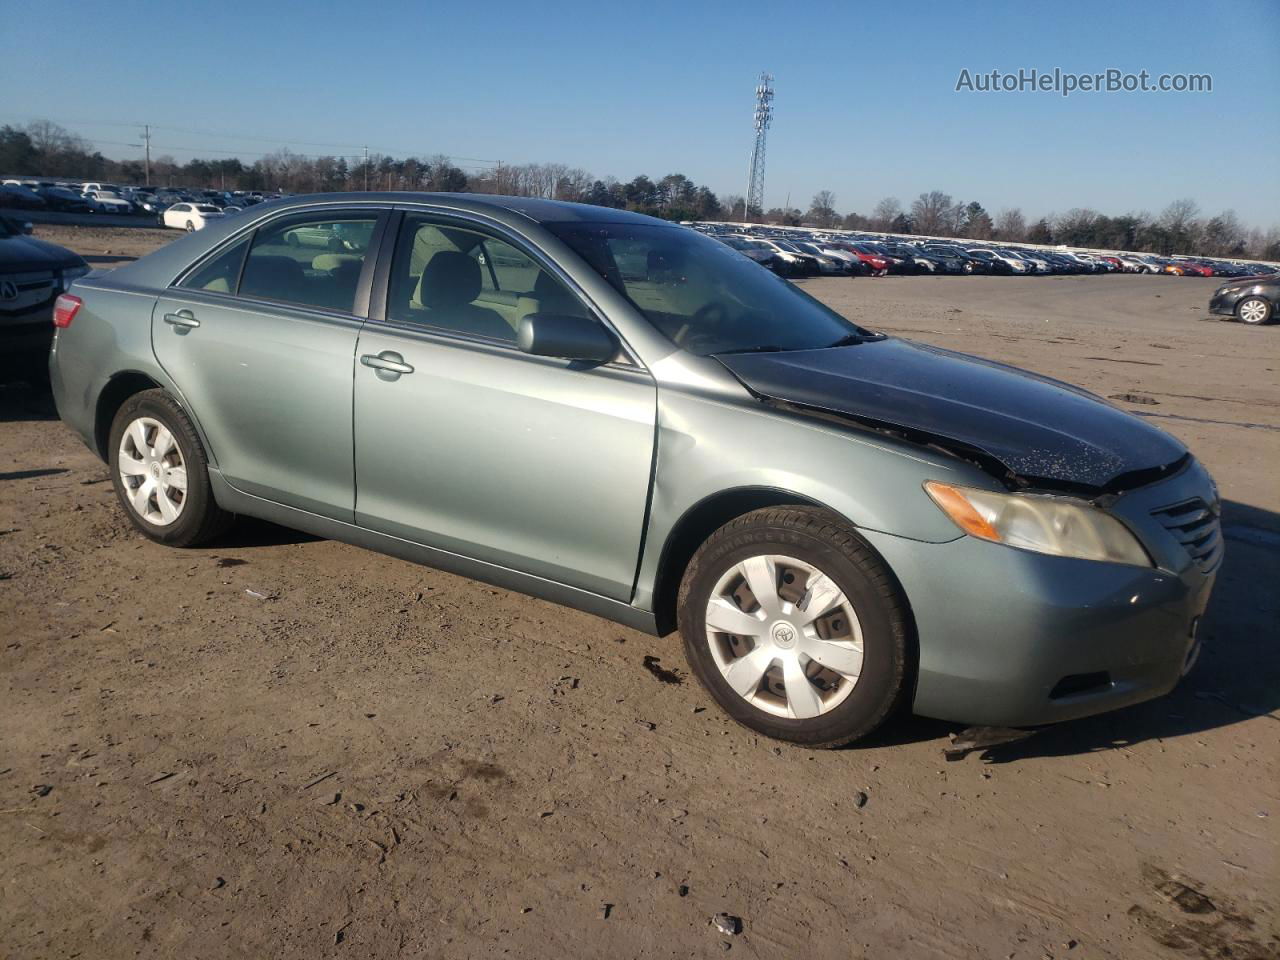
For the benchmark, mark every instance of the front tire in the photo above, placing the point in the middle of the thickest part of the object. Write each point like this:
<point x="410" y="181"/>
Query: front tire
<point x="796" y="627"/>
<point x="191" y="227"/>
<point x="1254" y="311"/>
<point x="161" y="474"/>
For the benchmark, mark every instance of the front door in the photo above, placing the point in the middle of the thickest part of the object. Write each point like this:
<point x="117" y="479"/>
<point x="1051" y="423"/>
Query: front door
<point x="466" y="444"/>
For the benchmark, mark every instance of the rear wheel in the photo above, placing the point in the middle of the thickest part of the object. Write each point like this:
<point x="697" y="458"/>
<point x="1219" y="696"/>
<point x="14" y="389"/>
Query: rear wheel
<point x="191" y="227"/>
<point x="160" y="472"/>
<point x="795" y="626"/>
<point x="1254" y="311"/>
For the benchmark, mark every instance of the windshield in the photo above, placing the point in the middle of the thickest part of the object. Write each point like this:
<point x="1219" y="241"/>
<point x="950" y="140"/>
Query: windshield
<point x="703" y="296"/>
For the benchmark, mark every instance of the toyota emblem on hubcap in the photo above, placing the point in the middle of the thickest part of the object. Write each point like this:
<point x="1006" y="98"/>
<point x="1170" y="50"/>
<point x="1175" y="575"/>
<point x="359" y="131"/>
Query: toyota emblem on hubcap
<point x="784" y="634"/>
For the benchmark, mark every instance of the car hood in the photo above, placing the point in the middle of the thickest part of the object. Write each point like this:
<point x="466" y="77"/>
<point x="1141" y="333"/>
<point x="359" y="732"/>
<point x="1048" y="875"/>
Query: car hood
<point x="1040" y="430"/>
<point x="28" y="253"/>
<point x="1241" y="282"/>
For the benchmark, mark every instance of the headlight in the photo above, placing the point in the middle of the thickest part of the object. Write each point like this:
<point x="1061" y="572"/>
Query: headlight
<point x="1045" y="524"/>
<point x="74" y="273"/>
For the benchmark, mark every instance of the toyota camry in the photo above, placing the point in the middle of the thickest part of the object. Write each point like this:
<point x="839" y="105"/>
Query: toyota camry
<point x="625" y="416"/>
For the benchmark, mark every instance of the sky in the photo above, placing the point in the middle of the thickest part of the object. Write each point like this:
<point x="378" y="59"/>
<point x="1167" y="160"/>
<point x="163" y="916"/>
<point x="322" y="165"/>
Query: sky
<point x="865" y="102"/>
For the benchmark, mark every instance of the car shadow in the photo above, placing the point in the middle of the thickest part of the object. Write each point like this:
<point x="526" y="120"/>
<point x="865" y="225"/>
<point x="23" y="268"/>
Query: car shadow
<point x="1237" y="677"/>
<point x="249" y="532"/>
<point x="23" y="397"/>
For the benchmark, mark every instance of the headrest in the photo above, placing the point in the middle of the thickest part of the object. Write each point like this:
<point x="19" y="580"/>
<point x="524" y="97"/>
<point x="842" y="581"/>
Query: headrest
<point x="666" y="264"/>
<point x="450" y="279"/>
<point x="331" y="261"/>
<point x="271" y="277"/>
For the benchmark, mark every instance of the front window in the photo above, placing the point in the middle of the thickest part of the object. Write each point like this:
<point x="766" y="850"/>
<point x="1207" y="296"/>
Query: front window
<point x="703" y="296"/>
<point x="469" y="282"/>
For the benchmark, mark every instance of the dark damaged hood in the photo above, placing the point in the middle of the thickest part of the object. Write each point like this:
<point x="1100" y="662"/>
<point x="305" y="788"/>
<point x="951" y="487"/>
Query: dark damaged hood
<point x="1037" y="428"/>
<point x="19" y="253"/>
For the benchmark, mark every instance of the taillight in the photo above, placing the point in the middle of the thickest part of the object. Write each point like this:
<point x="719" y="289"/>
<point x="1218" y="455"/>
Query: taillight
<point x="65" y="309"/>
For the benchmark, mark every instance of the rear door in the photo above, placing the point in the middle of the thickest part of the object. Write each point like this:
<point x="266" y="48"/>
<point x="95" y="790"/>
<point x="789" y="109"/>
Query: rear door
<point x="260" y="339"/>
<point x="467" y="444"/>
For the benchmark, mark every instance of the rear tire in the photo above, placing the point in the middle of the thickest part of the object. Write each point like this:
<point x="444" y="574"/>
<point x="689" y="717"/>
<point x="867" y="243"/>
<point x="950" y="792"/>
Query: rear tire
<point x="821" y="679"/>
<point x="1254" y="311"/>
<point x="162" y="480"/>
<point x="191" y="227"/>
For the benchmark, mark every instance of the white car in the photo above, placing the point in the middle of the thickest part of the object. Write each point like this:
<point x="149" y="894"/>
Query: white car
<point x="190" y="216"/>
<point x="108" y="201"/>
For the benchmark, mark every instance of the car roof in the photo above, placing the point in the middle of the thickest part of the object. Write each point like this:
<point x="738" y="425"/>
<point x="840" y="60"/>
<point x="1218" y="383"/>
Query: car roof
<point x="159" y="268"/>
<point x="534" y="208"/>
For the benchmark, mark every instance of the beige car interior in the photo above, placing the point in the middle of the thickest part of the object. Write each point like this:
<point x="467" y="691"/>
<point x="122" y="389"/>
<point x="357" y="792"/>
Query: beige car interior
<point x="464" y="281"/>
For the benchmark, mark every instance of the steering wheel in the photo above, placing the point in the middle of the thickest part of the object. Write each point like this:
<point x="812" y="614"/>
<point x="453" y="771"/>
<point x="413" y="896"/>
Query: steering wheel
<point x="707" y="315"/>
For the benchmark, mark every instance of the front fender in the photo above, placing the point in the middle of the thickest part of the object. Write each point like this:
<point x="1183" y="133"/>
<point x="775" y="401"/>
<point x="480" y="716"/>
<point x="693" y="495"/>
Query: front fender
<point x="709" y="446"/>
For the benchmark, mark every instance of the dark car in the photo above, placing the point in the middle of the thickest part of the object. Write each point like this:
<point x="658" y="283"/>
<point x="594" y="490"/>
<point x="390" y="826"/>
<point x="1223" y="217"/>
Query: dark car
<point x="968" y="262"/>
<point x="32" y="274"/>
<point x="62" y="200"/>
<point x="1250" y="300"/>
<point x="17" y="197"/>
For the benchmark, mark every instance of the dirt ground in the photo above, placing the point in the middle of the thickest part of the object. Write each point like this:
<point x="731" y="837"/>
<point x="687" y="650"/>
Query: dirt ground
<point x="286" y="747"/>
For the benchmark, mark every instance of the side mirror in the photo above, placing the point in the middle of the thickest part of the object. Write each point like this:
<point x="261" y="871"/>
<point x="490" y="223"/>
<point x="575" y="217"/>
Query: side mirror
<point x="28" y="227"/>
<point x="566" y="337"/>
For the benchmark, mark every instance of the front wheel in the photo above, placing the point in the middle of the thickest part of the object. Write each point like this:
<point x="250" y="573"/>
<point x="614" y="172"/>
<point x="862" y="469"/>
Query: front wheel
<point x="1254" y="311"/>
<point x="160" y="472"/>
<point x="191" y="227"/>
<point x="795" y="626"/>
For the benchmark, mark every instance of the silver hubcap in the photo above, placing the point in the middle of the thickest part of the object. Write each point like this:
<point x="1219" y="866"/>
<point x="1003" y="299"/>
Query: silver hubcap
<point x="1253" y="311"/>
<point x="784" y="636"/>
<point x="153" y="472"/>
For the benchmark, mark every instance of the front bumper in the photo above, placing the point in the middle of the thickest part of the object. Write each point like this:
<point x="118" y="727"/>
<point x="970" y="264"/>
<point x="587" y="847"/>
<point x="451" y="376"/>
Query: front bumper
<point x="1013" y="638"/>
<point x="1224" y="304"/>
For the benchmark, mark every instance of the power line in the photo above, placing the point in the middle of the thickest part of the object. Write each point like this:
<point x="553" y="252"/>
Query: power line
<point x="236" y="136"/>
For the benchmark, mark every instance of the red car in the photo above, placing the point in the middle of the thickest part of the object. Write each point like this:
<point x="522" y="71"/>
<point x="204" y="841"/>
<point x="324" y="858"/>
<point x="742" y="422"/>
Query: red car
<point x="877" y="264"/>
<point x="1192" y="269"/>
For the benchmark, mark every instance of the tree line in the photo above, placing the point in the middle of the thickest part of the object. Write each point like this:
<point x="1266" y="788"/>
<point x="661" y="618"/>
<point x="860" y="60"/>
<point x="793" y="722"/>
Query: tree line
<point x="49" y="150"/>
<point x="1180" y="228"/>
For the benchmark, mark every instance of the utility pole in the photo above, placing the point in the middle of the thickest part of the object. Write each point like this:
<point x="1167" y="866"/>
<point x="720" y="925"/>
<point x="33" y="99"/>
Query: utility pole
<point x="366" y="169"/>
<point x="146" y="139"/>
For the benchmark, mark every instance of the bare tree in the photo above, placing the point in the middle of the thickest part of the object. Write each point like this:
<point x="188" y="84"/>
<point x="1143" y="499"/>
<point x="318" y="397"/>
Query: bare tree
<point x="1010" y="225"/>
<point x="931" y="212"/>
<point x="1181" y="223"/>
<point x="1223" y="236"/>
<point x="885" y="212"/>
<point x="822" y="210"/>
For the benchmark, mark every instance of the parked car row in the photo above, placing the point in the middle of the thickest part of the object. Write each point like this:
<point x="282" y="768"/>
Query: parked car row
<point x="811" y="253"/>
<point x="62" y="196"/>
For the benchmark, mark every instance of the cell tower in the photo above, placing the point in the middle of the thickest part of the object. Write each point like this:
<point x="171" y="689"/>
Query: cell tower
<point x="763" y="118"/>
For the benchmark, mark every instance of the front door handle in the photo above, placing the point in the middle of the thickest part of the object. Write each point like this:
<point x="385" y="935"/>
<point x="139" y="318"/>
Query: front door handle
<point x="183" y="318"/>
<point x="388" y="364"/>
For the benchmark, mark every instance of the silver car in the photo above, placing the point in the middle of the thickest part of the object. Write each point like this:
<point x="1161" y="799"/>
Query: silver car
<point x="628" y="417"/>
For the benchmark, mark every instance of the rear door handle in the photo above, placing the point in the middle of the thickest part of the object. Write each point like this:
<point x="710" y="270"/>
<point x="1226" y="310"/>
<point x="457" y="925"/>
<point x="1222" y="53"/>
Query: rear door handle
<point x="183" y="318"/>
<point x="388" y="364"/>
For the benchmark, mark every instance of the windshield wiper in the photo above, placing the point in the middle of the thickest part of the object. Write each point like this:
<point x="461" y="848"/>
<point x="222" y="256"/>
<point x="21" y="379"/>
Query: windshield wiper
<point x="853" y="339"/>
<point x="763" y="348"/>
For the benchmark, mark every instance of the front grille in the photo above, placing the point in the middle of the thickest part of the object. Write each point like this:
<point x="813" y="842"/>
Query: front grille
<point x="21" y="292"/>
<point x="1197" y="527"/>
